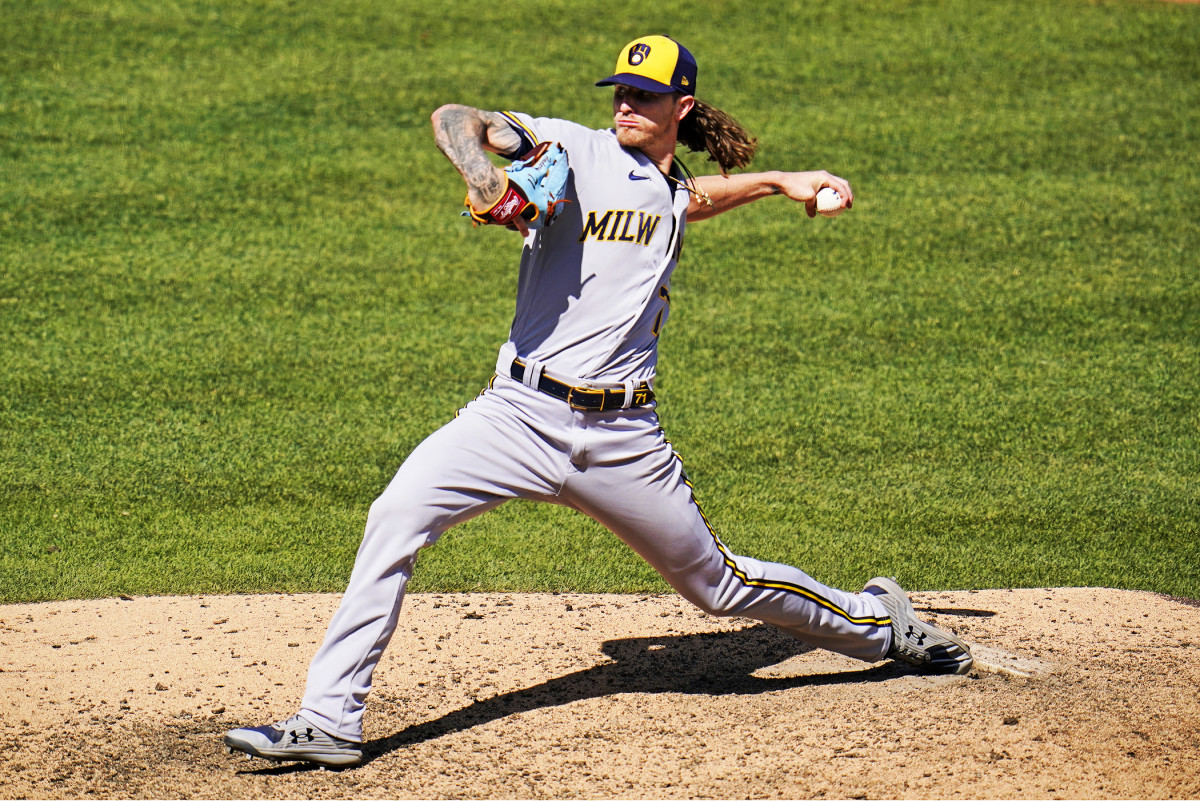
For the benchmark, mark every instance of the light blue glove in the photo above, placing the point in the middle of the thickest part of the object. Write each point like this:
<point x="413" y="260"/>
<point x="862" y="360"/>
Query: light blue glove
<point x="536" y="186"/>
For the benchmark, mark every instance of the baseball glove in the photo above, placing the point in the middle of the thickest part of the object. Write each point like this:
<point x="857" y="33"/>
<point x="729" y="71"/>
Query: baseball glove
<point x="533" y="190"/>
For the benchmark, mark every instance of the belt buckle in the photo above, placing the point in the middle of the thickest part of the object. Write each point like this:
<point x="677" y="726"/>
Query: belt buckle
<point x="579" y="407"/>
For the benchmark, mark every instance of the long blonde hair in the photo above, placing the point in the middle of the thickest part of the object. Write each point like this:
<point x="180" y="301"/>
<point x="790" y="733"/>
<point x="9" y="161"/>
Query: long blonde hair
<point x="708" y="129"/>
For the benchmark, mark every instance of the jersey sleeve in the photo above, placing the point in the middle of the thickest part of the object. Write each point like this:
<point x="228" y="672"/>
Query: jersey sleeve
<point x="520" y="126"/>
<point x="534" y="131"/>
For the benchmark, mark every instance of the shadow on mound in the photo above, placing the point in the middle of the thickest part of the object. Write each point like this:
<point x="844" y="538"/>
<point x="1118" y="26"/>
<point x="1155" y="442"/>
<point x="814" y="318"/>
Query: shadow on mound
<point x="719" y="663"/>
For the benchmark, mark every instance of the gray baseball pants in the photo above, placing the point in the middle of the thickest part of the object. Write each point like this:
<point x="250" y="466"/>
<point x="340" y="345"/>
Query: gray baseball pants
<point x="616" y="467"/>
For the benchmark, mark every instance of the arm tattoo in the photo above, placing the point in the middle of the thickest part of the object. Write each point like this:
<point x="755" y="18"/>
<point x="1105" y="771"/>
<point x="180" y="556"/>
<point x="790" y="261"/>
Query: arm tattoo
<point x="461" y="133"/>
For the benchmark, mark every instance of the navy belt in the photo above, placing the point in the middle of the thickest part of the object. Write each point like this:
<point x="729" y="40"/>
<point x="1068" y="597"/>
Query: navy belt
<point x="586" y="398"/>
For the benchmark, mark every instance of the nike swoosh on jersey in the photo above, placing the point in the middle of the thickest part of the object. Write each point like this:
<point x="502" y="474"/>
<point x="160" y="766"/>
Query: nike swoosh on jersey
<point x="633" y="176"/>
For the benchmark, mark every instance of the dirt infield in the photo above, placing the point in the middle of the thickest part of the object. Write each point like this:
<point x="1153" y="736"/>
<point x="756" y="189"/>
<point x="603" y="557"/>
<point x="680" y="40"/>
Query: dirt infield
<point x="1079" y="693"/>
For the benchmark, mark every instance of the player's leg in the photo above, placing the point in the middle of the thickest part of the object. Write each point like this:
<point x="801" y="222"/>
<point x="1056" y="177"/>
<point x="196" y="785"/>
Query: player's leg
<point x="634" y="484"/>
<point x="485" y="456"/>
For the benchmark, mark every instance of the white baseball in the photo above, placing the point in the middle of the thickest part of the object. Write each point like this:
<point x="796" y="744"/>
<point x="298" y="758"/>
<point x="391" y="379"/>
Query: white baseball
<point x="829" y="202"/>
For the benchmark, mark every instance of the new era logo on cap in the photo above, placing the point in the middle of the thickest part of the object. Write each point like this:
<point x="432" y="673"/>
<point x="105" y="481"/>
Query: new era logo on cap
<point x="655" y="64"/>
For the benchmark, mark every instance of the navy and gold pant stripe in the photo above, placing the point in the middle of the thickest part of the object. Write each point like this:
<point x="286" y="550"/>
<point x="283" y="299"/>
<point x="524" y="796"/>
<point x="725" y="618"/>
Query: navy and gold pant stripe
<point x="783" y="586"/>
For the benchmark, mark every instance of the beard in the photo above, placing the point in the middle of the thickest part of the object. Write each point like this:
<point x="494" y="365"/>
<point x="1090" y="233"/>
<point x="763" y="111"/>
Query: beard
<point x="637" y="138"/>
<point x="631" y="137"/>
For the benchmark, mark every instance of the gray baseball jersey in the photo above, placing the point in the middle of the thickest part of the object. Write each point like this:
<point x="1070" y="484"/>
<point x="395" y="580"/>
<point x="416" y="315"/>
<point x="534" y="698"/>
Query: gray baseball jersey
<point x="594" y="288"/>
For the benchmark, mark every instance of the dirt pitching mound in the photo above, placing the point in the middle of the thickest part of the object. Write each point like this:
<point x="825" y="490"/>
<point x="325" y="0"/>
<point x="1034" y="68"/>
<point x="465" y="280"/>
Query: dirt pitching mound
<point x="1077" y="693"/>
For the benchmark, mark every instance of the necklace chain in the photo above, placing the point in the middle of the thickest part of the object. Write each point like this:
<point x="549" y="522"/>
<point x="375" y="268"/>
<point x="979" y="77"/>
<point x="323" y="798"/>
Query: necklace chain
<point x="690" y="184"/>
<point x="695" y="189"/>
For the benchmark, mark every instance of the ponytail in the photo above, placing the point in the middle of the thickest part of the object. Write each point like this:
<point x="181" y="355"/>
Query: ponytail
<point x="708" y="129"/>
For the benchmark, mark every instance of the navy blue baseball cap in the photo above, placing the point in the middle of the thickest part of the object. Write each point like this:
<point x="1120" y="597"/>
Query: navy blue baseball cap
<point x="655" y="64"/>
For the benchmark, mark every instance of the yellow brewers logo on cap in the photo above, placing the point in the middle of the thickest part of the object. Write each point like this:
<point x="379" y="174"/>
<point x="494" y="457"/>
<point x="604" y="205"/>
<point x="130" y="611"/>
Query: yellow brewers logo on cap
<point x="655" y="64"/>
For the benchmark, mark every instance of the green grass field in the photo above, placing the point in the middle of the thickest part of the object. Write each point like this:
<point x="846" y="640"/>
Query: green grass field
<point x="235" y="290"/>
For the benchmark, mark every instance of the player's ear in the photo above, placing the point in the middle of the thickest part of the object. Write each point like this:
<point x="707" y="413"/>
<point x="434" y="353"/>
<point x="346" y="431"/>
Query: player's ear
<point x="683" y="106"/>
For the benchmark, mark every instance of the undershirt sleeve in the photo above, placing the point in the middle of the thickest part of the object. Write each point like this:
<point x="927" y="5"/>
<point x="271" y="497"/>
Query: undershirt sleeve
<point x="521" y="128"/>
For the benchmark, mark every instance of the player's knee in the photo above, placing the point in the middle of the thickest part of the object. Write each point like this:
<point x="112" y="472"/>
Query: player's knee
<point x="713" y="603"/>
<point x="403" y="523"/>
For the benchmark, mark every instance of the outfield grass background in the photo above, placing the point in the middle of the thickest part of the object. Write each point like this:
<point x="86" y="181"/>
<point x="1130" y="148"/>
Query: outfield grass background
<point x="235" y="290"/>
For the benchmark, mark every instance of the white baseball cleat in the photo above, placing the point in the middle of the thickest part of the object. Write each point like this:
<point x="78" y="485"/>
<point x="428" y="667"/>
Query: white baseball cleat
<point x="914" y="641"/>
<point x="294" y="740"/>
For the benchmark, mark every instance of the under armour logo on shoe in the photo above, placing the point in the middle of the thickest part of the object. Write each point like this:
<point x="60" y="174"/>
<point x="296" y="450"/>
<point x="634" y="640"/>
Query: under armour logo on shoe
<point x="306" y="736"/>
<point x="913" y="634"/>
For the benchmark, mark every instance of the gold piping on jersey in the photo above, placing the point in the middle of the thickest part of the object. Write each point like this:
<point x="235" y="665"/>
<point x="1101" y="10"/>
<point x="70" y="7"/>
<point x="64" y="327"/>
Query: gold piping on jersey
<point x="522" y="130"/>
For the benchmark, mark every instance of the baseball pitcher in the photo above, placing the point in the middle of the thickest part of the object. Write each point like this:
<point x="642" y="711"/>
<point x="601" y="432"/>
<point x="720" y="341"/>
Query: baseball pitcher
<point x="569" y="417"/>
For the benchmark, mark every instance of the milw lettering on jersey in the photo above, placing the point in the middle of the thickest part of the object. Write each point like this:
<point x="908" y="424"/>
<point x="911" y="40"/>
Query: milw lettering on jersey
<point x="616" y="225"/>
